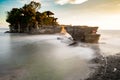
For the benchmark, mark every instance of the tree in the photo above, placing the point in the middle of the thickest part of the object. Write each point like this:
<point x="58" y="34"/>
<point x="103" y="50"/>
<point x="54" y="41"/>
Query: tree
<point x="14" y="19"/>
<point x="48" y="13"/>
<point x="29" y="12"/>
<point x="28" y="18"/>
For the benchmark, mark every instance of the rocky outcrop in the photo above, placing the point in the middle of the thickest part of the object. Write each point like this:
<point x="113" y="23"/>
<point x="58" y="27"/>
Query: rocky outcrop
<point x="84" y="33"/>
<point x="109" y="70"/>
<point x="79" y="33"/>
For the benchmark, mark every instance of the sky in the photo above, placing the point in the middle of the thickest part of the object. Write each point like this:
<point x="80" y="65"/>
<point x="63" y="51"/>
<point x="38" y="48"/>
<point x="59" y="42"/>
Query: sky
<point x="102" y="13"/>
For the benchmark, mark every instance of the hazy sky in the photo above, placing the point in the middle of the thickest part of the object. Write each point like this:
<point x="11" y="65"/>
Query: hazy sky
<point x="102" y="13"/>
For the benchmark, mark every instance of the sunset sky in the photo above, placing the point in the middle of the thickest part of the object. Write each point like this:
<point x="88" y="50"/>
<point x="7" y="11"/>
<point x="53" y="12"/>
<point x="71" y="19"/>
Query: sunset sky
<point x="102" y="13"/>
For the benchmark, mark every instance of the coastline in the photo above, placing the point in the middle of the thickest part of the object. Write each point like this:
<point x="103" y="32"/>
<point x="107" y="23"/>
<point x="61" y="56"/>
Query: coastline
<point x="102" y="70"/>
<point x="109" y="70"/>
<point x="99" y="74"/>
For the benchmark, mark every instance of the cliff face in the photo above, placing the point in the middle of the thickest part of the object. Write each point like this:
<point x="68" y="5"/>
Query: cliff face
<point x="84" y="33"/>
<point x="79" y="33"/>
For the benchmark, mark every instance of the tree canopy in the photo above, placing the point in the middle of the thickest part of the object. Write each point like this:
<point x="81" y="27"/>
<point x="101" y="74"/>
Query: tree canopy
<point x="28" y="17"/>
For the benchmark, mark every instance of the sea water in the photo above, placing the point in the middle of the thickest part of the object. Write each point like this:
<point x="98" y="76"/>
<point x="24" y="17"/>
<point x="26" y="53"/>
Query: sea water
<point x="109" y="42"/>
<point x="43" y="57"/>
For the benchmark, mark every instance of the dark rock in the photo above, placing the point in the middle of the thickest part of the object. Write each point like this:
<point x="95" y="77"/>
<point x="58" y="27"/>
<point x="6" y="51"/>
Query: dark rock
<point x="109" y="70"/>
<point x="75" y="43"/>
<point x="7" y="32"/>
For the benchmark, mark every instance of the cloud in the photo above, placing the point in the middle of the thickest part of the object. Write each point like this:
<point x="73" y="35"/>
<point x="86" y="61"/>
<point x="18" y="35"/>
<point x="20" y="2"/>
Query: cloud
<point x="62" y="2"/>
<point x="35" y="0"/>
<point x="27" y="1"/>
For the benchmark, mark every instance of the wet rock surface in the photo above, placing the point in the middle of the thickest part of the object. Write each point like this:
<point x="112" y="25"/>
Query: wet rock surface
<point x="109" y="68"/>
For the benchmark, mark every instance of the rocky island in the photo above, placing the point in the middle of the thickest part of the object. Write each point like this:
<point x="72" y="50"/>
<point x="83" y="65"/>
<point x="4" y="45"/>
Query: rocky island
<point x="29" y="20"/>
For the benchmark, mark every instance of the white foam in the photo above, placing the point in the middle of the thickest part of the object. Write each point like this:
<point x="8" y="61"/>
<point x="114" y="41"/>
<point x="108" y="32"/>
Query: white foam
<point x="62" y="50"/>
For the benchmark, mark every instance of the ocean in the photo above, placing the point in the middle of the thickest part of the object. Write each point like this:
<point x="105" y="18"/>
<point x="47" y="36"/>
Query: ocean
<point x="43" y="57"/>
<point x="110" y="42"/>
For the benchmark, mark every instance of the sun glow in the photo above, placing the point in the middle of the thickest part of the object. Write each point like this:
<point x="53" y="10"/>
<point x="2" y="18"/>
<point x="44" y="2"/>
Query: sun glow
<point x="62" y="2"/>
<point x="103" y="21"/>
<point x="63" y="30"/>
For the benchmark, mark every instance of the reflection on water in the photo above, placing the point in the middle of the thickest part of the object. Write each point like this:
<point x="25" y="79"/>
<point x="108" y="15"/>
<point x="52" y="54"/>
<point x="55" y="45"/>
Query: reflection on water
<point x="42" y="57"/>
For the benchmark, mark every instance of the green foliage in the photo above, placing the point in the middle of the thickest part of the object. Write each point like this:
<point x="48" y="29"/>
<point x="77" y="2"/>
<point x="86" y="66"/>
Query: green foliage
<point x="27" y="18"/>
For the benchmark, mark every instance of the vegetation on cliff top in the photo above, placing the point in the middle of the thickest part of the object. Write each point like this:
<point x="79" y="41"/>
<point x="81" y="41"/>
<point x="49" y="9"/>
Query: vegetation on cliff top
<point x="28" y="18"/>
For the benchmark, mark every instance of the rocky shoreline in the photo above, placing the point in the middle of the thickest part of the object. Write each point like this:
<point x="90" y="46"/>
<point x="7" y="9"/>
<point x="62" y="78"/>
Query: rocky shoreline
<point x="108" y="69"/>
<point x="87" y="34"/>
